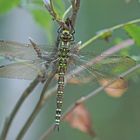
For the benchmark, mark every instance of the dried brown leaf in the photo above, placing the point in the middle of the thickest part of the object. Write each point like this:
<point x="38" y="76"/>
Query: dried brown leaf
<point x="80" y="118"/>
<point x="117" y="88"/>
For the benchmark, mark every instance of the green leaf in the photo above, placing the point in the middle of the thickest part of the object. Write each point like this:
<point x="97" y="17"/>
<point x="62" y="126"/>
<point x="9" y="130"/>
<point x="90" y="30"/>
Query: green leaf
<point x="31" y="3"/>
<point x="134" y="31"/>
<point x="6" y="5"/>
<point x="39" y="12"/>
<point x="42" y="18"/>
<point x="125" y="51"/>
<point x="39" y="2"/>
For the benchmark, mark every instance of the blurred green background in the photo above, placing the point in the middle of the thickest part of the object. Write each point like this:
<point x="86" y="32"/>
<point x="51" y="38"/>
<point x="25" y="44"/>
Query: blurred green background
<point x="113" y="119"/>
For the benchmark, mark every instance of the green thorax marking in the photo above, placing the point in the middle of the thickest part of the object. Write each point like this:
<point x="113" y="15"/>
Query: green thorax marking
<point x="63" y="56"/>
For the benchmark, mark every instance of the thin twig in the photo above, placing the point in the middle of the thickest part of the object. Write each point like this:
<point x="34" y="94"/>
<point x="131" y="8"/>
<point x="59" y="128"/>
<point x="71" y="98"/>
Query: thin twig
<point x="36" y="109"/>
<point x="75" y="8"/>
<point x="54" y="14"/>
<point x="50" y="8"/>
<point x="11" y="117"/>
<point x="85" y="98"/>
<point x="75" y="4"/>
<point x="94" y="38"/>
<point x="66" y="12"/>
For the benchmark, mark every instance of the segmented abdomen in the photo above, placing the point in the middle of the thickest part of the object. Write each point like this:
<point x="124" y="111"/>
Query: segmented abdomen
<point x="62" y="66"/>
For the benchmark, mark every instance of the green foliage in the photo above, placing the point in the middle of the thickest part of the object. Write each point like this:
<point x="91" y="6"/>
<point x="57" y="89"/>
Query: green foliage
<point x="134" y="31"/>
<point x="42" y="18"/>
<point x="125" y="51"/>
<point x="6" y="5"/>
<point x="39" y="2"/>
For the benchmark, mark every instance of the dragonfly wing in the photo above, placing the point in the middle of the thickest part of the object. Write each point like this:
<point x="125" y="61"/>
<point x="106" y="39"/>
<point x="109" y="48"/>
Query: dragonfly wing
<point x="78" y="74"/>
<point x="114" y="65"/>
<point x="96" y="69"/>
<point x="10" y="49"/>
<point x="22" y="70"/>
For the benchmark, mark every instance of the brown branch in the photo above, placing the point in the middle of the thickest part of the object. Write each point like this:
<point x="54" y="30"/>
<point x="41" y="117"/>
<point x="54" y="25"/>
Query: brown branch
<point x="21" y="100"/>
<point x="36" y="110"/>
<point x="75" y="8"/>
<point x="49" y="6"/>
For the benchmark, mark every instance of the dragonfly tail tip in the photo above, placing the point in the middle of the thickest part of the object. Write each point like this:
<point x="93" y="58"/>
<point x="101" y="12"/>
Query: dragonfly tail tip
<point x="56" y="127"/>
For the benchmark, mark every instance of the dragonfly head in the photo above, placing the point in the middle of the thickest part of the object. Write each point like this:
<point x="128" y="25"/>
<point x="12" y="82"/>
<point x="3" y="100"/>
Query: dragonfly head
<point x="66" y="36"/>
<point x="66" y="31"/>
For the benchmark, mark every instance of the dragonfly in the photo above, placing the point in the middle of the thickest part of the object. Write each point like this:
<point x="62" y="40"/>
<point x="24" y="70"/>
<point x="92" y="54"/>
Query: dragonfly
<point x="26" y="61"/>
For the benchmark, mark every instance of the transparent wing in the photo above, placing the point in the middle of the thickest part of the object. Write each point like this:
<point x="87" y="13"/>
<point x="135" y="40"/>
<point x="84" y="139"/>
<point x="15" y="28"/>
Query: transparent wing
<point x="97" y="69"/>
<point x="12" y="50"/>
<point x="114" y="65"/>
<point x="22" y="70"/>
